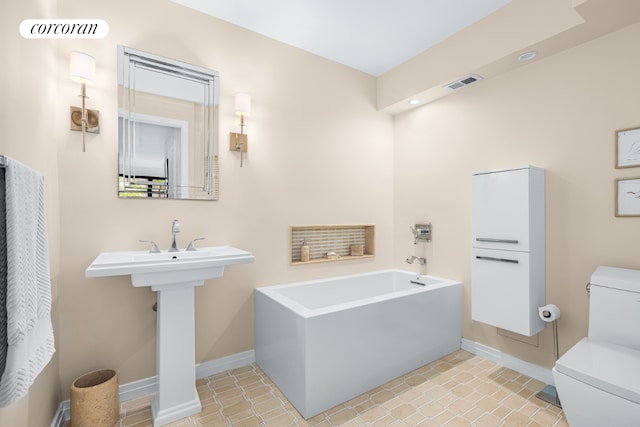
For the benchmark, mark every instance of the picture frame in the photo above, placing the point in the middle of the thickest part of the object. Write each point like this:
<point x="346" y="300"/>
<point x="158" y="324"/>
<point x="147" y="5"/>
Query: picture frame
<point x="627" y="197"/>
<point x="628" y="148"/>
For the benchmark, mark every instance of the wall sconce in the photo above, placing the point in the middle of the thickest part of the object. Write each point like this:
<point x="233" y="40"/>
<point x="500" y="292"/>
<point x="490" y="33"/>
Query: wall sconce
<point x="82" y="69"/>
<point x="238" y="141"/>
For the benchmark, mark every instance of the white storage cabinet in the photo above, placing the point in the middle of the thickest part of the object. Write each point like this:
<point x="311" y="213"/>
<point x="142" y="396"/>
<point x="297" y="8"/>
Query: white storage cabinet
<point x="508" y="240"/>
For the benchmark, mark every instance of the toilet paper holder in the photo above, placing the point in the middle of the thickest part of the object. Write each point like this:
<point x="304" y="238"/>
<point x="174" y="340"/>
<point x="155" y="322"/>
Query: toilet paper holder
<point x="550" y="313"/>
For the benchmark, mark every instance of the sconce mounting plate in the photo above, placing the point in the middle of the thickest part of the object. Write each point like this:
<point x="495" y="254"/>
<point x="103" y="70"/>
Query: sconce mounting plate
<point x="93" y="120"/>
<point x="238" y="141"/>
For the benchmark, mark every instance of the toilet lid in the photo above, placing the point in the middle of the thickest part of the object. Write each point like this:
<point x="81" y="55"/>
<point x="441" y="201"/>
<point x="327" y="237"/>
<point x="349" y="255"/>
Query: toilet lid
<point x="609" y="367"/>
<point x="617" y="278"/>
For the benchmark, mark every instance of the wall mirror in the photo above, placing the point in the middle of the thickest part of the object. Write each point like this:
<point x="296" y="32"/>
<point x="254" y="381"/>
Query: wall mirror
<point x="167" y="128"/>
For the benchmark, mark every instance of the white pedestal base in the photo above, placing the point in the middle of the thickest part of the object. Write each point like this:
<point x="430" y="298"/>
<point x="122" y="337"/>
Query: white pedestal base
<point x="177" y="396"/>
<point x="168" y="415"/>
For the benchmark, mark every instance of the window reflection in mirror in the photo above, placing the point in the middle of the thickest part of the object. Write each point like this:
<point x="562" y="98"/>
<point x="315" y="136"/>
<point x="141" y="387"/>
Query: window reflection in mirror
<point x="167" y="127"/>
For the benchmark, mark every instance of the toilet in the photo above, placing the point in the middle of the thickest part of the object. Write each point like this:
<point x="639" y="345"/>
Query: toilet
<point x="598" y="379"/>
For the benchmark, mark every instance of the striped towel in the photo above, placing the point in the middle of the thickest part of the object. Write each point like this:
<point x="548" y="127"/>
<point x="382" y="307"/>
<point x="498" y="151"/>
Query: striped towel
<point x="29" y="330"/>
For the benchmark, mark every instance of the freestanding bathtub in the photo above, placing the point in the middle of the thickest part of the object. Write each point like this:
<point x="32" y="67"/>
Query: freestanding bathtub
<point x="324" y="342"/>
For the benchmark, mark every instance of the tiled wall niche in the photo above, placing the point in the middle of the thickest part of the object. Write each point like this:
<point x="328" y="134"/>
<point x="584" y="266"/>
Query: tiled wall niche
<point x="323" y="239"/>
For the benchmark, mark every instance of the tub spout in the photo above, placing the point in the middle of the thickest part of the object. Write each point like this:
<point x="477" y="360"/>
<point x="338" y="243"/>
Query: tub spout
<point x="412" y="259"/>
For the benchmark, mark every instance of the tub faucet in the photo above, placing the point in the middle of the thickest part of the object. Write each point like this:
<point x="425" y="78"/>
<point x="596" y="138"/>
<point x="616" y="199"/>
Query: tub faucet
<point x="175" y="228"/>
<point x="412" y="259"/>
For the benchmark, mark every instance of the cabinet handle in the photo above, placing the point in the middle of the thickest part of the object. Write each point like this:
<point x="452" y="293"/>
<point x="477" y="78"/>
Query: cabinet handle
<point x="486" y="239"/>
<point x="490" y="258"/>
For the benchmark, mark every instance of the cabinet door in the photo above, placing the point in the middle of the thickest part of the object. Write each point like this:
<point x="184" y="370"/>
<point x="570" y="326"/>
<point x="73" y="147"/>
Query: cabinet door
<point x="500" y="210"/>
<point x="500" y="289"/>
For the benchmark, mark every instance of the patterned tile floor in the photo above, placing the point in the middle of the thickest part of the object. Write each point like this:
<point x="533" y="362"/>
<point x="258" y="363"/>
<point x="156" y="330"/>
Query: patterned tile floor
<point x="460" y="389"/>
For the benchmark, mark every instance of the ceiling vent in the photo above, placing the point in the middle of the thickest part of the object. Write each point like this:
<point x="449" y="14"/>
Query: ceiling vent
<point x="465" y="81"/>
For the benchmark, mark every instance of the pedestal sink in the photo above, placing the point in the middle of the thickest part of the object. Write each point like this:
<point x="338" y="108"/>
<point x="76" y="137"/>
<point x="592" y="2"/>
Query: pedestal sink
<point x="174" y="275"/>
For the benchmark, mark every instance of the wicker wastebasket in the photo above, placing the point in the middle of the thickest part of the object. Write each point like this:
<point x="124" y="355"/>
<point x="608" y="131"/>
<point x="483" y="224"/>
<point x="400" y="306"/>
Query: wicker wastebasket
<point x="94" y="399"/>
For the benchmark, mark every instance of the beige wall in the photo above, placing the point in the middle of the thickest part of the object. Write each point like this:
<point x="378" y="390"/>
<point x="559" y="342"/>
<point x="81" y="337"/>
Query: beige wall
<point x="28" y="120"/>
<point x="559" y="113"/>
<point x="319" y="153"/>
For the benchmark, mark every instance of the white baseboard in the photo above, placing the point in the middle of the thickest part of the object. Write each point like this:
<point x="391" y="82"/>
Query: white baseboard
<point x="61" y="415"/>
<point x="525" y="368"/>
<point x="147" y="386"/>
<point x="212" y="367"/>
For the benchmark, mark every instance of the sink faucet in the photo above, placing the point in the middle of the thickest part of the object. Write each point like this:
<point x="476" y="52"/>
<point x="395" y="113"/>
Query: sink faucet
<point x="175" y="228"/>
<point x="412" y="259"/>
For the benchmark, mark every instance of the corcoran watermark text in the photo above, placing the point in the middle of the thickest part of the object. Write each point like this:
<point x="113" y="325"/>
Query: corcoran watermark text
<point x="64" y="28"/>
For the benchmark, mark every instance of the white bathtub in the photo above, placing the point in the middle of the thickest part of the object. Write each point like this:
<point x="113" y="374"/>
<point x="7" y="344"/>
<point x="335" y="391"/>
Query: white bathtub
<point x="324" y="342"/>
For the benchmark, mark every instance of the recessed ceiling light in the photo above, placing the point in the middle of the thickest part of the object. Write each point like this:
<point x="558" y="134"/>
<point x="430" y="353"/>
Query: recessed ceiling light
<point x="414" y="101"/>
<point x="527" y="56"/>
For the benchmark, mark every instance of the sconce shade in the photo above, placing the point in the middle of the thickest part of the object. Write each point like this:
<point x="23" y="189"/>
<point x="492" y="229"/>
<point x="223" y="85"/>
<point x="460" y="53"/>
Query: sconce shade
<point x="82" y="67"/>
<point x="243" y="104"/>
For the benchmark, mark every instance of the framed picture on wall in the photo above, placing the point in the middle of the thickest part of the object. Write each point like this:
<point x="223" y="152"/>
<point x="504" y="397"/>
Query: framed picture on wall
<point x="628" y="197"/>
<point x="627" y="148"/>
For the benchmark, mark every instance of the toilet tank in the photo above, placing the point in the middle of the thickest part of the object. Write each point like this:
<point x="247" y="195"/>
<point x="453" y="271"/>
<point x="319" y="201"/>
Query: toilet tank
<point x="614" y="306"/>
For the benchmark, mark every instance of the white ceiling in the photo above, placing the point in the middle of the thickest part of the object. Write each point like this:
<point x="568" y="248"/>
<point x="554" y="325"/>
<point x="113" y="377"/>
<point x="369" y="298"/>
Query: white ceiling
<point x="373" y="36"/>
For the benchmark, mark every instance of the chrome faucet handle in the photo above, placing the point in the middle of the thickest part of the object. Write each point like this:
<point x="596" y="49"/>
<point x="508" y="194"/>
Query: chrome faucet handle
<point x="191" y="246"/>
<point x="154" y="248"/>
